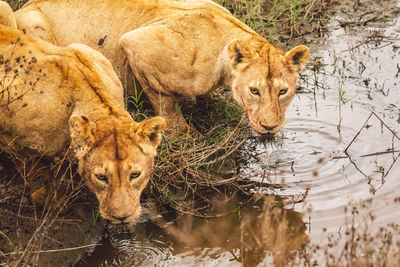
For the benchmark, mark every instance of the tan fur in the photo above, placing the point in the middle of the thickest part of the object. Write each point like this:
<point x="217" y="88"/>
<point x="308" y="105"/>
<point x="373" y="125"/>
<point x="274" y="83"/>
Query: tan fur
<point x="53" y="98"/>
<point x="6" y="15"/>
<point x="178" y="47"/>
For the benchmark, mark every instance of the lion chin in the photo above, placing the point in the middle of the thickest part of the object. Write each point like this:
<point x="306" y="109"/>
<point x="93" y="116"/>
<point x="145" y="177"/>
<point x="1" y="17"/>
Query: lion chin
<point x="262" y="131"/>
<point x="130" y="219"/>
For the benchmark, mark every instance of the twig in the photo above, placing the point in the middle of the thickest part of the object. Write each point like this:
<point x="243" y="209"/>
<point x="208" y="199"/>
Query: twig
<point x="358" y="133"/>
<point x="365" y="123"/>
<point x="380" y="153"/>
<point x="309" y="9"/>
<point x="216" y="216"/>
<point x="51" y="250"/>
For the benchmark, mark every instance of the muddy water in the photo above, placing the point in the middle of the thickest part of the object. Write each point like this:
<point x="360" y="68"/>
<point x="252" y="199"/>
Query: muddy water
<point x="339" y="149"/>
<point x="343" y="135"/>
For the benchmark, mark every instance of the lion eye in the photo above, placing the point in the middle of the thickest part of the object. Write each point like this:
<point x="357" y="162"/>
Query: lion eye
<point x="102" y="178"/>
<point x="254" y="91"/>
<point x="134" y="175"/>
<point x="283" y="91"/>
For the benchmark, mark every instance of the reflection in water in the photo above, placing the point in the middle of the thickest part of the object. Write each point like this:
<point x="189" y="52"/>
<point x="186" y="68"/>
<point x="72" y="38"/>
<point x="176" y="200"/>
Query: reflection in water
<point x="339" y="148"/>
<point x="242" y="235"/>
<point x="279" y="231"/>
<point x="377" y="168"/>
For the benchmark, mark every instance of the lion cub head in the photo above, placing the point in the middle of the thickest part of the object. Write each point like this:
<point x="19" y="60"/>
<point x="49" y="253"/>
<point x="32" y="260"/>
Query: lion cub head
<point x="116" y="159"/>
<point x="264" y="80"/>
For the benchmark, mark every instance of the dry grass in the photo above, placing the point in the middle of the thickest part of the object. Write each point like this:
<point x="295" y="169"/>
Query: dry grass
<point x="15" y="4"/>
<point x="280" y="21"/>
<point x="356" y="244"/>
<point x="27" y="231"/>
<point x="196" y="164"/>
<point x="277" y="231"/>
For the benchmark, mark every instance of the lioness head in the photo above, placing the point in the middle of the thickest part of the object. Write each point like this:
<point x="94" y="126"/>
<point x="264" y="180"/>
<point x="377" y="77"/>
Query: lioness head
<point x="264" y="81"/>
<point x="116" y="159"/>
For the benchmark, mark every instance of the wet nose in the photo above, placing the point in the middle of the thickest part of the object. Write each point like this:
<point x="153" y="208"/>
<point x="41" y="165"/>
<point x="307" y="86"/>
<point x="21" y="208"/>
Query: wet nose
<point x="120" y="218"/>
<point x="268" y="128"/>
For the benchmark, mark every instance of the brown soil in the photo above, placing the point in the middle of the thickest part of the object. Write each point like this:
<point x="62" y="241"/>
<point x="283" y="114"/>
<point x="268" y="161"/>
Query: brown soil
<point x="43" y="236"/>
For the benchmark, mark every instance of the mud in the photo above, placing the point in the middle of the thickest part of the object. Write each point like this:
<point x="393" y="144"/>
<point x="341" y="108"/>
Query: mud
<point x="49" y="236"/>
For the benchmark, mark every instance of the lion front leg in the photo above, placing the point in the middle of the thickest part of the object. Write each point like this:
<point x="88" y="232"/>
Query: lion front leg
<point x="167" y="107"/>
<point x="148" y="66"/>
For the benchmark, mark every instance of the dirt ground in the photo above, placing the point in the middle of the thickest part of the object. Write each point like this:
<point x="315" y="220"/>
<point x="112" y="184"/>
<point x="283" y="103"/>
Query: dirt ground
<point x="43" y="236"/>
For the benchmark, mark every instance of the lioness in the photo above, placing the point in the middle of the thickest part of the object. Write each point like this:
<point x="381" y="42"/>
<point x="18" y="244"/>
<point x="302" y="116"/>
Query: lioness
<point x="177" y="47"/>
<point x="52" y="97"/>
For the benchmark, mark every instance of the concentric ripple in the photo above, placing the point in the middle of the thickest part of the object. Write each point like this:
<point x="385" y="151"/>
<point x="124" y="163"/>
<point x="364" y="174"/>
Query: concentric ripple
<point x="312" y="155"/>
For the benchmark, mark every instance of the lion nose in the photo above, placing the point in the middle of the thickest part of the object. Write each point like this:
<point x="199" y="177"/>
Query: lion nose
<point x="268" y="128"/>
<point x="120" y="218"/>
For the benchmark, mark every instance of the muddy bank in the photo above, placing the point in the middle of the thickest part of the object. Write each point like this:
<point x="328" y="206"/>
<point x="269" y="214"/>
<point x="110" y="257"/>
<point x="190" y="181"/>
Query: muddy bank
<point x="59" y="241"/>
<point x="57" y="235"/>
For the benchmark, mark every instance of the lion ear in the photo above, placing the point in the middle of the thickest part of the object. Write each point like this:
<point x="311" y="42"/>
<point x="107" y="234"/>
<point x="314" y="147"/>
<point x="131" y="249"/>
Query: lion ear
<point x="81" y="131"/>
<point x="239" y="51"/>
<point x="150" y="133"/>
<point x="297" y="57"/>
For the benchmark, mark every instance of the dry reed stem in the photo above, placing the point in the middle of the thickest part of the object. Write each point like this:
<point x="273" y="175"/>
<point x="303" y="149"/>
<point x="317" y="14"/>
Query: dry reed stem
<point x="28" y="252"/>
<point x="53" y="250"/>
<point x="188" y="165"/>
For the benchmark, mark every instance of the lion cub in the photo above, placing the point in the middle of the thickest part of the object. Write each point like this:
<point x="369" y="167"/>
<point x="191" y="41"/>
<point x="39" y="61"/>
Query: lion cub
<point x="54" y="100"/>
<point x="175" y="48"/>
